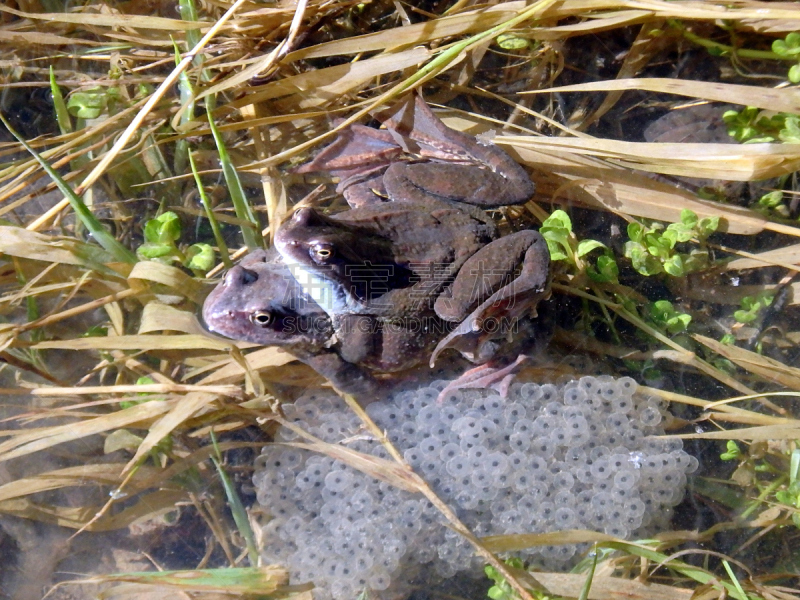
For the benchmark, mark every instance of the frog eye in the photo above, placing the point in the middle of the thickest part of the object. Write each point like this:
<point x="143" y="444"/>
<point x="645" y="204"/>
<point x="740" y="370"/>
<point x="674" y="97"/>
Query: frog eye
<point x="322" y="253"/>
<point x="262" y="318"/>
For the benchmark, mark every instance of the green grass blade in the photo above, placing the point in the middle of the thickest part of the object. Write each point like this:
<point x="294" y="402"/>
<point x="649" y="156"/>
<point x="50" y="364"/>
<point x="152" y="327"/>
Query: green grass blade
<point x="105" y="239"/>
<point x="223" y="247"/>
<point x="62" y="114"/>
<point x="237" y="508"/>
<point x="695" y="573"/>
<point x="589" y="577"/>
<point x="251" y="235"/>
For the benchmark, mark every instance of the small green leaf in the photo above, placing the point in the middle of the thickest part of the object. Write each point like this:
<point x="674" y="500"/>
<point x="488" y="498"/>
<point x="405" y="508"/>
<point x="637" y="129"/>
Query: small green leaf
<point x="165" y="228"/>
<point x="732" y="451"/>
<point x="707" y="226"/>
<point x="794" y="73"/>
<point x="790" y="133"/>
<point x="771" y="200"/>
<point x="556" y="253"/>
<point x="200" y="257"/>
<point x="678" y="323"/>
<point x="744" y="316"/>
<point x="688" y="217"/>
<point x="680" y="232"/>
<point x="658" y="246"/>
<point x="557" y="238"/>
<point x="641" y="260"/>
<point x="674" y="266"/>
<point x="496" y="593"/>
<point x="607" y="270"/>
<point x="88" y="104"/>
<point x="155" y="251"/>
<point x="509" y="41"/>
<point x="635" y="232"/>
<point x="749" y="302"/>
<point x="558" y="219"/>
<point x="586" y="246"/>
<point x="661" y="310"/>
<point x="670" y="236"/>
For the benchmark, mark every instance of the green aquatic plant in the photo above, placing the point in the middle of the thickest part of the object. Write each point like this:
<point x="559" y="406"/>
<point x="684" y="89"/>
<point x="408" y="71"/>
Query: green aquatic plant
<point x="654" y="249"/>
<point x="502" y="590"/>
<point x="789" y="47"/>
<point x="751" y="306"/>
<point x="752" y="125"/>
<point x="161" y="236"/>
<point x="664" y="316"/>
<point x="563" y="245"/>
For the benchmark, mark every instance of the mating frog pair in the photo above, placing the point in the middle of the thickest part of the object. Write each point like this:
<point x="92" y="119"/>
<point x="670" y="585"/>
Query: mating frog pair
<point x="414" y="268"/>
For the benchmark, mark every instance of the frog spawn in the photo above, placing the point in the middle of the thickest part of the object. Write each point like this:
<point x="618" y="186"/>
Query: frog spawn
<point x="577" y="456"/>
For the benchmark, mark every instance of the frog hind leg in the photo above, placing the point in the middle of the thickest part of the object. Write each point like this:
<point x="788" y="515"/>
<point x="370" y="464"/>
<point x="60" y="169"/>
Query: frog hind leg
<point x="485" y="376"/>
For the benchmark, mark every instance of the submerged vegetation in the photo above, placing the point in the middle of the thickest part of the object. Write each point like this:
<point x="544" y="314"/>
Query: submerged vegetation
<point x="663" y="140"/>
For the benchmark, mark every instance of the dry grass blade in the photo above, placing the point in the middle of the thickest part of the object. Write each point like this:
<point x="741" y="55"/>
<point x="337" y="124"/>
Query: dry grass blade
<point x="329" y="82"/>
<point x="785" y="99"/>
<point x="598" y="184"/>
<point x="154" y="388"/>
<point x="163" y="317"/>
<point x="764" y="433"/>
<point x="612" y="588"/>
<point x="710" y="161"/>
<point x="138" y="342"/>
<point x="35" y="441"/>
<point x="106" y="474"/>
<point x="177" y="280"/>
<point x="465" y="23"/>
<point x="40" y="38"/>
<point x="230" y="370"/>
<point x="253" y="580"/>
<point x="763" y="366"/>
<point x="115" y="20"/>
<point x="379" y="468"/>
<point x="786" y="256"/>
<point x="510" y="543"/>
<point x="22" y="243"/>
<point x="181" y="410"/>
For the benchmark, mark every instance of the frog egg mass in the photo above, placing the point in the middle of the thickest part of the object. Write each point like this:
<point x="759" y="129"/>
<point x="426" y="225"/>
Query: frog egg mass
<point x="583" y="455"/>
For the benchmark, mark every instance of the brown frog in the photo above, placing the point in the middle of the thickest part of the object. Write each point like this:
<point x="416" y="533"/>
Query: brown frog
<point x="375" y="165"/>
<point x="457" y="279"/>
